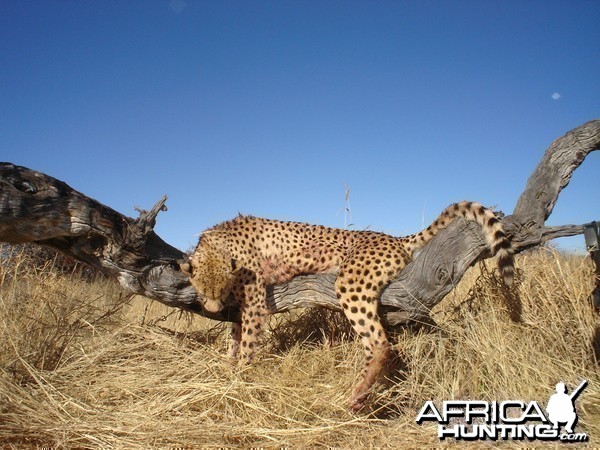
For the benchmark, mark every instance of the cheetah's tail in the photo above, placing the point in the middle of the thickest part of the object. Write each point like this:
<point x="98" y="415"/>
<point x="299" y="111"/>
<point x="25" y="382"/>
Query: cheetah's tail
<point x="492" y="227"/>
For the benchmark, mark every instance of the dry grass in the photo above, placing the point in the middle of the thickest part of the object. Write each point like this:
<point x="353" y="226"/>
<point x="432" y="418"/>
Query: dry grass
<point x="81" y="365"/>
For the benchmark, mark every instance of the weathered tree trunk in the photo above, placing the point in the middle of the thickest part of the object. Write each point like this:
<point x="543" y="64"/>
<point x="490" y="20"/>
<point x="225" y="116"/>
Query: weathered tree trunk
<point x="38" y="208"/>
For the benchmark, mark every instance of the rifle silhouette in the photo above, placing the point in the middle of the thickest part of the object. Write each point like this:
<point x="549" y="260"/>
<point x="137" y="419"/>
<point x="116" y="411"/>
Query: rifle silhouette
<point x="578" y="390"/>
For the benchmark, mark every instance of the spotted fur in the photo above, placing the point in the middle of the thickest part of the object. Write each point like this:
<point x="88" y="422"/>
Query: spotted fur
<point x="244" y="255"/>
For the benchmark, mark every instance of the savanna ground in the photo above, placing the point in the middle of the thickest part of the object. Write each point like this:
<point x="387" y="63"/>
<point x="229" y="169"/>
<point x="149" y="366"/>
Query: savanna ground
<point x="84" y="365"/>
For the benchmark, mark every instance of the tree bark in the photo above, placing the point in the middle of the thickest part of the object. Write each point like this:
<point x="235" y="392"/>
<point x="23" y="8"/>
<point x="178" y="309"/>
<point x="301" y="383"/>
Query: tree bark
<point x="35" y="207"/>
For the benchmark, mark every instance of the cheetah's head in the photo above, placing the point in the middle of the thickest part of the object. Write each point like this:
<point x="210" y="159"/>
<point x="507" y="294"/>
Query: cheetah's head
<point x="212" y="272"/>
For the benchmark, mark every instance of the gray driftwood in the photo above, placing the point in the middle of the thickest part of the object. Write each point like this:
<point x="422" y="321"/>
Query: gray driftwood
<point x="35" y="207"/>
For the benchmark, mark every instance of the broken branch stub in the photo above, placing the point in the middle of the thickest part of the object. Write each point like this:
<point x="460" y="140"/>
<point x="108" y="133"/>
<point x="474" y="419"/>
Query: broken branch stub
<point x="35" y="207"/>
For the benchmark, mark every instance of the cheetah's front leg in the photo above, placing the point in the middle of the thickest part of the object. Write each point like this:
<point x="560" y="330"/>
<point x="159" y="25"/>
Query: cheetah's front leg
<point x="251" y="295"/>
<point x="236" y="338"/>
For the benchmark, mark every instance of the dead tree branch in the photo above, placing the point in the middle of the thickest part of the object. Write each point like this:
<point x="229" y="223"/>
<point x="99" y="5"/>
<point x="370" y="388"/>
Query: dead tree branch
<point x="35" y="207"/>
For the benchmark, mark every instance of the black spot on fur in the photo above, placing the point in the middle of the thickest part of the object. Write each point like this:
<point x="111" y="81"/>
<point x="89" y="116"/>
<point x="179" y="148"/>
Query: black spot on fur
<point x="504" y="244"/>
<point x="492" y="221"/>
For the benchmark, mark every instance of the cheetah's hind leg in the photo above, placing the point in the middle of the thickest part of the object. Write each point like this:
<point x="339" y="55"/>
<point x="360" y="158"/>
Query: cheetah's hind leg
<point x="360" y="306"/>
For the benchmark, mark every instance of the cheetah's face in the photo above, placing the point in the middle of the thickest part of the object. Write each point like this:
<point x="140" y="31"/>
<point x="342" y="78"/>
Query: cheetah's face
<point x="212" y="273"/>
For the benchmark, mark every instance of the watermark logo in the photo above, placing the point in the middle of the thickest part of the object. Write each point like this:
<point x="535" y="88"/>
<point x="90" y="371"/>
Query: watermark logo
<point x="510" y="419"/>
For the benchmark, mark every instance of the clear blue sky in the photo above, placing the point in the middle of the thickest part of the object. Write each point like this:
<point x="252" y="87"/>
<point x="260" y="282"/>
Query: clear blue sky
<point x="270" y="107"/>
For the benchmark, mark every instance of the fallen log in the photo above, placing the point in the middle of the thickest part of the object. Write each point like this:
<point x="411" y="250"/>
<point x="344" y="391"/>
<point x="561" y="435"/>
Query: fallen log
<point x="35" y="207"/>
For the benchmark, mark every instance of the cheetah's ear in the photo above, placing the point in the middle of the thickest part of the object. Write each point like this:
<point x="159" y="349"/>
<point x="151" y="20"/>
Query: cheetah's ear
<point x="186" y="268"/>
<point x="214" y="233"/>
<point x="213" y="237"/>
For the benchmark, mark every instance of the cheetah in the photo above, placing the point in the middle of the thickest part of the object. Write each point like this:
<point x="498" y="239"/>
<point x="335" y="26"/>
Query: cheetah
<point x="244" y="255"/>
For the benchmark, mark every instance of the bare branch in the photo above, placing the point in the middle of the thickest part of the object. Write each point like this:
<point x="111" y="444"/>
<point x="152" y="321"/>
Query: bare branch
<point x="549" y="233"/>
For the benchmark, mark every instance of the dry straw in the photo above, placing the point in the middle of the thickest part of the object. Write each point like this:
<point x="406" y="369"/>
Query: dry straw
<point x="82" y="365"/>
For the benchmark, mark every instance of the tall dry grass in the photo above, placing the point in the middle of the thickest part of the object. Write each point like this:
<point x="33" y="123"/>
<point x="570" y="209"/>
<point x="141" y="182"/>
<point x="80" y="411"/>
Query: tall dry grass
<point x="82" y="365"/>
